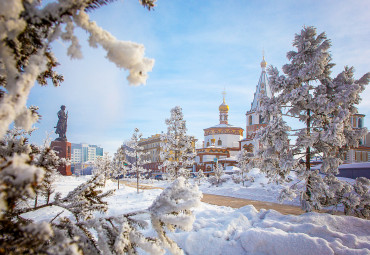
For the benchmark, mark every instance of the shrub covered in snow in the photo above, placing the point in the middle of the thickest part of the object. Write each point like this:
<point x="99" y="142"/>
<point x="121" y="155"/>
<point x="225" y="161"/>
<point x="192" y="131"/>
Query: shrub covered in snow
<point x="219" y="177"/>
<point x="172" y="209"/>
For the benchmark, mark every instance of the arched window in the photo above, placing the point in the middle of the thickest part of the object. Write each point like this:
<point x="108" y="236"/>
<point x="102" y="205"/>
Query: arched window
<point x="219" y="143"/>
<point x="250" y="121"/>
<point x="208" y="144"/>
<point x="261" y="120"/>
<point x="360" y="122"/>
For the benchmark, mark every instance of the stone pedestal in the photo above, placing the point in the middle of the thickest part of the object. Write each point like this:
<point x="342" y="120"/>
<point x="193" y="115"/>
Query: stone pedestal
<point x="64" y="151"/>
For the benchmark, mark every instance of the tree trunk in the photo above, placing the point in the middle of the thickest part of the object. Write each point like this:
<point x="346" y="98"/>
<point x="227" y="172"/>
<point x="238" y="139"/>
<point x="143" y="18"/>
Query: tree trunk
<point x="118" y="181"/>
<point x="36" y="200"/>
<point x="308" y="156"/>
<point x="48" y="197"/>
<point x="137" y="175"/>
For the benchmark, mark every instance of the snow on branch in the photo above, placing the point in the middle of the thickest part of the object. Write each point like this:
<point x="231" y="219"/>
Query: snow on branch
<point x="172" y="209"/>
<point x="127" y="55"/>
<point x="27" y="30"/>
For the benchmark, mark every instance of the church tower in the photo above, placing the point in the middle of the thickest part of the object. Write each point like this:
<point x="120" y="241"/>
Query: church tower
<point x="224" y="111"/>
<point x="255" y="121"/>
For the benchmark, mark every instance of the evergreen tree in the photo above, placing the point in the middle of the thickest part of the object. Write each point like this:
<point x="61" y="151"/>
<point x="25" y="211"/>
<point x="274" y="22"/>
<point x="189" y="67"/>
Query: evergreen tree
<point x="48" y="160"/>
<point x="138" y="153"/>
<point x="104" y="166"/>
<point x="324" y="106"/>
<point x="244" y="159"/>
<point x="119" y="164"/>
<point x="177" y="147"/>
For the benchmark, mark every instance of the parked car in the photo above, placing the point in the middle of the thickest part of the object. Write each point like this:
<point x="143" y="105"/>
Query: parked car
<point x="158" y="177"/>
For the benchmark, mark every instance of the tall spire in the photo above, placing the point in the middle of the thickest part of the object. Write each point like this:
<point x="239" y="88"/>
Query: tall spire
<point x="263" y="87"/>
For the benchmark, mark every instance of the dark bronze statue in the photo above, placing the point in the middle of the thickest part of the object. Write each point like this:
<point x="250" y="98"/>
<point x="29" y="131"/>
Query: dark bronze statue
<point x="61" y="128"/>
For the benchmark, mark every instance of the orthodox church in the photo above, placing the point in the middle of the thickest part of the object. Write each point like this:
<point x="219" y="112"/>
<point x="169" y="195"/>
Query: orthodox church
<point x="255" y="121"/>
<point x="220" y="142"/>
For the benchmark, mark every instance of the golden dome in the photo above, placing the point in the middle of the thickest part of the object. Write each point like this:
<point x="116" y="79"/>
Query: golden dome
<point x="223" y="107"/>
<point x="263" y="63"/>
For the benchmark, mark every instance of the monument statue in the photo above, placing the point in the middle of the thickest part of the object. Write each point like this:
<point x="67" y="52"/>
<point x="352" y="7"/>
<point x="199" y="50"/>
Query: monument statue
<point x="61" y="145"/>
<point x="61" y="128"/>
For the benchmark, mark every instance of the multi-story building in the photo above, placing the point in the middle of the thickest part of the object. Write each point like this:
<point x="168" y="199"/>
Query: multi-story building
<point x="152" y="146"/>
<point x="82" y="153"/>
<point x="362" y="152"/>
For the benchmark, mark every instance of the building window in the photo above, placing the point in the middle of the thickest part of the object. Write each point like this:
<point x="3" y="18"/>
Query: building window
<point x="261" y="120"/>
<point x="360" y="122"/>
<point x="219" y="143"/>
<point x="250" y="121"/>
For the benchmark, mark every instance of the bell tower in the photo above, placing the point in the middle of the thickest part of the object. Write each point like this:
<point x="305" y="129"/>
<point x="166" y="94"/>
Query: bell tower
<point x="224" y="111"/>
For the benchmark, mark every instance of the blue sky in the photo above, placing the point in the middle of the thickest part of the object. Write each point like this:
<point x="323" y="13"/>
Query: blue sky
<point x="200" y="48"/>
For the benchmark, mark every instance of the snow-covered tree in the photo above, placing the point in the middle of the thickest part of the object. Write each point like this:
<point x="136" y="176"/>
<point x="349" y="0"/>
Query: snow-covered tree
<point x="27" y="30"/>
<point x="103" y="165"/>
<point x="217" y="178"/>
<point x="323" y="105"/>
<point x="49" y="161"/>
<point x="200" y="176"/>
<point x="119" y="164"/>
<point x="177" y="147"/>
<point x="172" y="210"/>
<point x="244" y="159"/>
<point x="138" y="153"/>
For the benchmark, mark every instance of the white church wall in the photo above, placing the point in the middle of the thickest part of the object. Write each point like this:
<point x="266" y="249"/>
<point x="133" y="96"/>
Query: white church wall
<point x="228" y="140"/>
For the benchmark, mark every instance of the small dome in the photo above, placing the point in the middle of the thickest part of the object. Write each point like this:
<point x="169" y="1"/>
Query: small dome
<point x="263" y="63"/>
<point x="223" y="107"/>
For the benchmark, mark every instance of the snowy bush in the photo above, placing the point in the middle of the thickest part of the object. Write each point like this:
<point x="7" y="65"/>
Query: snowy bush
<point x="324" y="107"/>
<point x="219" y="176"/>
<point x="172" y="209"/>
<point x="200" y="176"/>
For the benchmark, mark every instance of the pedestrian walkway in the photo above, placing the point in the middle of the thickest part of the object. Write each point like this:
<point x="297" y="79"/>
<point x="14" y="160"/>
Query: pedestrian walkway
<point x="240" y="202"/>
<point x="235" y="202"/>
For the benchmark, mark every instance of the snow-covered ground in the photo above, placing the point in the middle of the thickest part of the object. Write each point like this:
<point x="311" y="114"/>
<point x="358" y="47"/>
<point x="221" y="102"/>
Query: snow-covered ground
<point x="223" y="230"/>
<point x="260" y="189"/>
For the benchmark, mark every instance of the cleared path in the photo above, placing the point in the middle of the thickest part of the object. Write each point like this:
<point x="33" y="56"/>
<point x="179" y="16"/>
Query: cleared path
<point x="235" y="202"/>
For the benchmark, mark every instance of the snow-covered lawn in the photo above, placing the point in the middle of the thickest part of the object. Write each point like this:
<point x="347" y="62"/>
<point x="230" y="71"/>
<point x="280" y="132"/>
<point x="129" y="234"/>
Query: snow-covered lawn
<point x="223" y="230"/>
